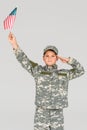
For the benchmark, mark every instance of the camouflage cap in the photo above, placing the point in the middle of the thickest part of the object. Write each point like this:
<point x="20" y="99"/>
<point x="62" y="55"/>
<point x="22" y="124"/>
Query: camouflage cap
<point x="51" y="48"/>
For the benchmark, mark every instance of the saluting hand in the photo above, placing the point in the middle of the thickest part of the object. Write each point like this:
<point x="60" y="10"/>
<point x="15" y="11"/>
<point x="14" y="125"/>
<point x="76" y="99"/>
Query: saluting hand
<point x="64" y="60"/>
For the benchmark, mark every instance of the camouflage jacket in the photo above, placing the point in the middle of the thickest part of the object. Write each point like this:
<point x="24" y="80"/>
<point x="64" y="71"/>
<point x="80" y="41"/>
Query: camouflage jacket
<point x="51" y="83"/>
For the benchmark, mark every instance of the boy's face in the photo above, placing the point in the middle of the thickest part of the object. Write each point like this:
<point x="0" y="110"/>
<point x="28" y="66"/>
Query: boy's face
<point x="50" y="58"/>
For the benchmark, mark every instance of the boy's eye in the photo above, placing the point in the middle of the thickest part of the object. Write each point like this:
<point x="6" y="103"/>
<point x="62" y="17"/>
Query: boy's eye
<point x="50" y="56"/>
<point x="47" y="56"/>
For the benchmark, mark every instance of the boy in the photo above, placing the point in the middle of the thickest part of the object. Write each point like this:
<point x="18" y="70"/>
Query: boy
<point x="51" y="85"/>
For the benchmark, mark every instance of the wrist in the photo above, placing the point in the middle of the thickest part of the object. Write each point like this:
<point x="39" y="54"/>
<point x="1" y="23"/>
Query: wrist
<point x="15" y="47"/>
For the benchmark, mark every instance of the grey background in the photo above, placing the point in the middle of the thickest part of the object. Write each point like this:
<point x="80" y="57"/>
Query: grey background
<point x="38" y="24"/>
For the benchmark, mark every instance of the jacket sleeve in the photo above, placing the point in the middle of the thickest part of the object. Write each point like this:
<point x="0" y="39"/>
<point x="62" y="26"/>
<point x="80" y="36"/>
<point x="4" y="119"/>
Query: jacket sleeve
<point x="77" y="69"/>
<point x="25" y="61"/>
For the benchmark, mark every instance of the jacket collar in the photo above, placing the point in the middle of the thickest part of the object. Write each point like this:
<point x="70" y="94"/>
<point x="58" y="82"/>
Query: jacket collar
<point x="50" y="68"/>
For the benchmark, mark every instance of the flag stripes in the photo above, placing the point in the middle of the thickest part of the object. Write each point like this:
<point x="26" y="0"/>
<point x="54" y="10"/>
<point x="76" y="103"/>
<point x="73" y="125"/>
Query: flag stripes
<point x="9" y="21"/>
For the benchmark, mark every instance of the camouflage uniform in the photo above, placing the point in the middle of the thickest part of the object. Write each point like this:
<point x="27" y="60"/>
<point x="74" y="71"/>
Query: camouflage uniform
<point x="51" y="90"/>
<point x="46" y="119"/>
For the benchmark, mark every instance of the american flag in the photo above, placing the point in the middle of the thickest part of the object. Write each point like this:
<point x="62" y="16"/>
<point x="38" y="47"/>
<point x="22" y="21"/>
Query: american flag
<point x="9" y="21"/>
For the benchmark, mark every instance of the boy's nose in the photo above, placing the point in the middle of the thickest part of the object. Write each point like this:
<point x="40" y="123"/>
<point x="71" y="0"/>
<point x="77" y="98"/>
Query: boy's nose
<point x="49" y="58"/>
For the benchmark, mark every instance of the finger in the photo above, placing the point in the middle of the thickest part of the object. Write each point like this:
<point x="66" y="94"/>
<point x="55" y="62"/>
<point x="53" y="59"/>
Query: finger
<point x="10" y="34"/>
<point x="59" y="57"/>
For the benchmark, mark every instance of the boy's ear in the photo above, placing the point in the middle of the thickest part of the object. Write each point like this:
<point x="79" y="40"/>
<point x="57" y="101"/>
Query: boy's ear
<point x="57" y="57"/>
